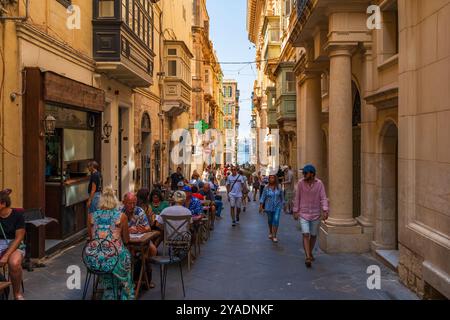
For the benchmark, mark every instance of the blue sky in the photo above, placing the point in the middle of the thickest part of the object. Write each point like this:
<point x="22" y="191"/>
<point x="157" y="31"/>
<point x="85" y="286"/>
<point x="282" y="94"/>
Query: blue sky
<point x="228" y="32"/>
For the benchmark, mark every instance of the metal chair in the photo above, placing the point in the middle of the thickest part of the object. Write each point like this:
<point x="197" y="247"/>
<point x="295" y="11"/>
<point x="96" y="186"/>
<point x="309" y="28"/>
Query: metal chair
<point x="106" y="255"/>
<point x="176" y="247"/>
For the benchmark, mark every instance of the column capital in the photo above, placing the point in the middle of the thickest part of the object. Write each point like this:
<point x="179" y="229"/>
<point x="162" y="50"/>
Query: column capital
<point x="341" y="48"/>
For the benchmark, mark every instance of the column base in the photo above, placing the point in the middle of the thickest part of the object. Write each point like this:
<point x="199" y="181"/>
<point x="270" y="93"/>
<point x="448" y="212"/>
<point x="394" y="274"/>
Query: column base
<point x="345" y="239"/>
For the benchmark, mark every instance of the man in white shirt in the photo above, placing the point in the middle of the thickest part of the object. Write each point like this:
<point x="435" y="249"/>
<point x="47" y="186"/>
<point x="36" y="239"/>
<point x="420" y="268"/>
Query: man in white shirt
<point x="177" y="210"/>
<point x="235" y="183"/>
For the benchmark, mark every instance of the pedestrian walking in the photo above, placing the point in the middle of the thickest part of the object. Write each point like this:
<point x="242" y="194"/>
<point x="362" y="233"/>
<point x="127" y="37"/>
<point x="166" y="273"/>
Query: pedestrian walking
<point x="256" y="185"/>
<point x="271" y="203"/>
<point x="289" y="185"/>
<point x="235" y="184"/>
<point x="95" y="186"/>
<point x="245" y="191"/>
<point x="310" y="199"/>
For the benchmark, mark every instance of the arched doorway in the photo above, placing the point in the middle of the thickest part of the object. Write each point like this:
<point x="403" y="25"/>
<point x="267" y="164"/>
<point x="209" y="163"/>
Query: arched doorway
<point x="146" y="151"/>
<point x="386" y="229"/>
<point x="356" y="124"/>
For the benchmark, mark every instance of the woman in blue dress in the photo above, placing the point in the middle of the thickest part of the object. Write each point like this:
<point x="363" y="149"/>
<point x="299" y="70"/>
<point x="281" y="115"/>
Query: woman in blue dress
<point x="271" y="202"/>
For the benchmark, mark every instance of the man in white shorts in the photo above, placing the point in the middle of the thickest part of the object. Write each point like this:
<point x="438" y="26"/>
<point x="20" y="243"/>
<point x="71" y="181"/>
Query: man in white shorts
<point x="235" y="183"/>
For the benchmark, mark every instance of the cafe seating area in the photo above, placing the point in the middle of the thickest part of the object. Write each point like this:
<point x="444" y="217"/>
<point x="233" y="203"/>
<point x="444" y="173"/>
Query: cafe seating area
<point x="180" y="245"/>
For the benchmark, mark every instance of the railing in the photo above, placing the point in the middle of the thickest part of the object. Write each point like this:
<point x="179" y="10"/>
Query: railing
<point x="304" y="8"/>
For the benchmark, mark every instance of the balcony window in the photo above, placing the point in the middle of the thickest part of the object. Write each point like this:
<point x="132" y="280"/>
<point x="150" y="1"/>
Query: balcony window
<point x="290" y="82"/>
<point x="106" y="9"/>
<point x="172" y="68"/>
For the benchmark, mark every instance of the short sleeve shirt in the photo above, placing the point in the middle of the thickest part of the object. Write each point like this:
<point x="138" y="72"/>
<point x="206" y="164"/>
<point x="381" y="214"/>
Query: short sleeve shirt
<point x="236" y="190"/>
<point x="15" y="221"/>
<point x="139" y="218"/>
<point x="96" y="178"/>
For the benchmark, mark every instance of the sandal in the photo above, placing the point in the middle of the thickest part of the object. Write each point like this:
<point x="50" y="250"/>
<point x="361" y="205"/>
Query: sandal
<point x="308" y="262"/>
<point x="270" y="236"/>
<point x="275" y="240"/>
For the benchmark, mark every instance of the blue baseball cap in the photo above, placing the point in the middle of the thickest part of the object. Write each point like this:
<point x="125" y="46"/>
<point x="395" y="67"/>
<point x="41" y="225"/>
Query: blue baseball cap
<point x="187" y="189"/>
<point x="309" y="168"/>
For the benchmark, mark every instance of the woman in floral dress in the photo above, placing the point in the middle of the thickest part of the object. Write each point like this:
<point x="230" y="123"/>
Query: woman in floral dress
<point x="108" y="223"/>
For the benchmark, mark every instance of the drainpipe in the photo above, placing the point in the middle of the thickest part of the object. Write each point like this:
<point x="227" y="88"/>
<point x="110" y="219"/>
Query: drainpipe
<point x="27" y="14"/>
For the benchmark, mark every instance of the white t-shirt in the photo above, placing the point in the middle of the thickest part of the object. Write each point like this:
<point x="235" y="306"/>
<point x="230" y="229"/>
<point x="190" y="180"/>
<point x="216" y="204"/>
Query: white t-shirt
<point x="237" y="188"/>
<point x="175" y="211"/>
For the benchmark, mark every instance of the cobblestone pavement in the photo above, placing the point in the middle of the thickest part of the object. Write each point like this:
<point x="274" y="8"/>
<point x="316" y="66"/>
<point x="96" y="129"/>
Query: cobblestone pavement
<point x="241" y="263"/>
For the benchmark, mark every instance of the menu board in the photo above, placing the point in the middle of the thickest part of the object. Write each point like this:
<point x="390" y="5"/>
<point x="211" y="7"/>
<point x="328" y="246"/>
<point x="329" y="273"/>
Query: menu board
<point x="78" y="145"/>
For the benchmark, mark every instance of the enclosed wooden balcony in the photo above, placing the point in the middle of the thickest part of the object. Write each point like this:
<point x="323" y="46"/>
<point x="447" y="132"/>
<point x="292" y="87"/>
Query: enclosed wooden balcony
<point x="123" y="40"/>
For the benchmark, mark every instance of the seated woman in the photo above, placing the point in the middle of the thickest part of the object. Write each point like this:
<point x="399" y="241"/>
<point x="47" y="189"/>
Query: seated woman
<point x="110" y="224"/>
<point x="12" y="248"/>
<point x="157" y="205"/>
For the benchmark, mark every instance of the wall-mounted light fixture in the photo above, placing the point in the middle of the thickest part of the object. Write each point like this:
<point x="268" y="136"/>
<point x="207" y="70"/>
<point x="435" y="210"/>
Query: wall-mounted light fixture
<point x="49" y="126"/>
<point x="107" y="130"/>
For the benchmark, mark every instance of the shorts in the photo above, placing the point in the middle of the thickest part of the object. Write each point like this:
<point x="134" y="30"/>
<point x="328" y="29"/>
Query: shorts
<point x="274" y="217"/>
<point x="311" y="227"/>
<point x="4" y="244"/>
<point x="236" y="202"/>
<point x="95" y="202"/>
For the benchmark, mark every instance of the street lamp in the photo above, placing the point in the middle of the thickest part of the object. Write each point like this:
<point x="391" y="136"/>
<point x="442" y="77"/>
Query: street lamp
<point x="49" y="125"/>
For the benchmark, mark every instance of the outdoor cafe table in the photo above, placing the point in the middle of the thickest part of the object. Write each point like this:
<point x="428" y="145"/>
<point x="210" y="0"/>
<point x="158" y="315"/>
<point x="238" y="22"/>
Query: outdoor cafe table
<point x="141" y="243"/>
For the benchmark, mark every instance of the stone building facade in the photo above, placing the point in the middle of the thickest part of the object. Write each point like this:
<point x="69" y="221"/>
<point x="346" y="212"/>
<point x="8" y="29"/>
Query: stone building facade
<point x="372" y="110"/>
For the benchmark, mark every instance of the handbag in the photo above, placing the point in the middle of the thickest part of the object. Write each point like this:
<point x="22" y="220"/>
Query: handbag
<point x="4" y="243"/>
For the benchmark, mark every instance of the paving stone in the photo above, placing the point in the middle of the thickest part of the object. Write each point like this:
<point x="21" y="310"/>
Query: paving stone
<point x="241" y="263"/>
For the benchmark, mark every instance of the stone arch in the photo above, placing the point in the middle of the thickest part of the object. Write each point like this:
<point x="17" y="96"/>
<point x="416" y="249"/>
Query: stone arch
<point x="386" y="225"/>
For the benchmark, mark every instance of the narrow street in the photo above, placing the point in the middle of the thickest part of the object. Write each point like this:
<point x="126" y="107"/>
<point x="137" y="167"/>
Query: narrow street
<point x="241" y="263"/>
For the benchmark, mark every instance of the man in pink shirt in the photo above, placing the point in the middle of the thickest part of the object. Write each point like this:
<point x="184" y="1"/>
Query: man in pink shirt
<point x="310" y="200"/>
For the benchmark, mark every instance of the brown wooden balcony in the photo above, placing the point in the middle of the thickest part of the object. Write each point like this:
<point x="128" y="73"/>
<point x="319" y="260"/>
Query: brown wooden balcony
<point x="123" y="40"/>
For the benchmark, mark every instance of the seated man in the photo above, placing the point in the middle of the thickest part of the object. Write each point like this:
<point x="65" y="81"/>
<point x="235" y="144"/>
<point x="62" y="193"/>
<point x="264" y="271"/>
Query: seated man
<point x="193" y="204"/>
<point x="137" y="219"/>
<point x="178" y="209"/>
<point x="196" y="194"/>
<point x="209" y="195"/>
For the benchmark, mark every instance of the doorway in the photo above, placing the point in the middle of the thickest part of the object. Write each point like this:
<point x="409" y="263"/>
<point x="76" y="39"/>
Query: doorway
<point x="146" y="155"/>
<point x="356" y="124"/>
<point x="387" y="211"/>
<point x="123" y="152"/>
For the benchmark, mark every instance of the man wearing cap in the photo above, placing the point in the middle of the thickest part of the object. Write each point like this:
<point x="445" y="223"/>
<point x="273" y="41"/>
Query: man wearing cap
<point x="235" y="184"/>
<point x="193" y="204"/>
<point x="289" y="185"/>
<point x="178" y="209"/>
<point x="310" y="200"/>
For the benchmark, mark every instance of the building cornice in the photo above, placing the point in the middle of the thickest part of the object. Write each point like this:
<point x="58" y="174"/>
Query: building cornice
<point x="34" y="35"/>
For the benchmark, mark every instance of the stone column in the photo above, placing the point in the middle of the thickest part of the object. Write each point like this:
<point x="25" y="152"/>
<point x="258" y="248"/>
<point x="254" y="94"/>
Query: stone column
<point x="340" y="147"/>
<point x="341" y="233"/>
<point x="313" y="121"/>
